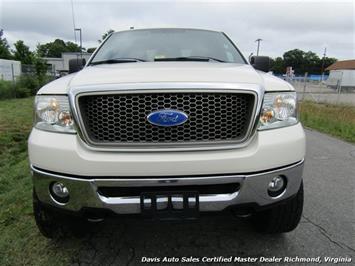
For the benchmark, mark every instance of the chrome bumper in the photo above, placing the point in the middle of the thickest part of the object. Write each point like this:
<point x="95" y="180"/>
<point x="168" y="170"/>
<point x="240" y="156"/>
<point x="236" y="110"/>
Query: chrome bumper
<point x="84" y="191"/>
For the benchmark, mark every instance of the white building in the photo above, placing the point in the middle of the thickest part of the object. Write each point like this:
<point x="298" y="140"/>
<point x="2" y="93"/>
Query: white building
<point x="342" y="74"/>
<point x="57" y="64"/>
<point x="9" y="69"/>
<point x="61" y="65"/>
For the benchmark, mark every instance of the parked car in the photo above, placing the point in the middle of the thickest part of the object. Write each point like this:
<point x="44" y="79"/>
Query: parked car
<point x="167" y="123"/>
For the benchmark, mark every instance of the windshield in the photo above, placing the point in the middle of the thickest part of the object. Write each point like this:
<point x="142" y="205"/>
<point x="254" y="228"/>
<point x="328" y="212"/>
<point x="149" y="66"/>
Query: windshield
<point x="160" y="44"/>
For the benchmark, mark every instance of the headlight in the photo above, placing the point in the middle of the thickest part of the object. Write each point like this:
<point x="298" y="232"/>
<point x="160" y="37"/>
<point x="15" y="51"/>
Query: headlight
<point x="278" y="110"/>
<point x="52" y="113"/>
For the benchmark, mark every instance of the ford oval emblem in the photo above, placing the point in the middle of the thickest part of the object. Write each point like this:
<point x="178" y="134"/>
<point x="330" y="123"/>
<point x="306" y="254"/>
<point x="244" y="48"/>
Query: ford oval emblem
<point x="167" y="118"/>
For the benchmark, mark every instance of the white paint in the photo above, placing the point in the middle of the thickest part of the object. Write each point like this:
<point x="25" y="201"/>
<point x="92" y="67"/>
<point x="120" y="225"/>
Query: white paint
<point x="345" y="77"/>
<point x="66" y="153"/>
<point x="146" y="72"/>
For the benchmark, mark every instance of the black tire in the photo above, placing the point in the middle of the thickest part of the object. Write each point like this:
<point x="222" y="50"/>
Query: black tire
<point x="281" y="218"/>
<point x="57" y="225"/>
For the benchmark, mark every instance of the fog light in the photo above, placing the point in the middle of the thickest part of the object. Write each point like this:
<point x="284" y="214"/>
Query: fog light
<point x="276" y="186"/>
<point x="59" y="192"/>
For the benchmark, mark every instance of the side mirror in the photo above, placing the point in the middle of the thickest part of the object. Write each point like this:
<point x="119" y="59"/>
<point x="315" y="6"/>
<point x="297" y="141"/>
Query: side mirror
<point x="262" y="63"/>
<point x="76" y="65"/>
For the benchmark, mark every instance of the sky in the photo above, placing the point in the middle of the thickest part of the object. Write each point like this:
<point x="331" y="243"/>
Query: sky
<point x="282" y="25"/>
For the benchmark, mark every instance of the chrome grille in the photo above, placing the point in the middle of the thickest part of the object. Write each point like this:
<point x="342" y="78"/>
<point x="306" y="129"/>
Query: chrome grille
<point x="121" y="118"/>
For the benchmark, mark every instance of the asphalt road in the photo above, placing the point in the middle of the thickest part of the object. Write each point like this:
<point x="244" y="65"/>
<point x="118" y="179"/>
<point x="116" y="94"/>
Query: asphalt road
<point x="326" y="229"/>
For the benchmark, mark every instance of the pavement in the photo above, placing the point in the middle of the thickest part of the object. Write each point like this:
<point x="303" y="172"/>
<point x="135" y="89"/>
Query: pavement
<point x="326" y="229"/>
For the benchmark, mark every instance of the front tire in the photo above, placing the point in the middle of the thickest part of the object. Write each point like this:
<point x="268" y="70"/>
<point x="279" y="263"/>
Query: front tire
<point x="281" y="218"/>
<point x="54" y="225"/>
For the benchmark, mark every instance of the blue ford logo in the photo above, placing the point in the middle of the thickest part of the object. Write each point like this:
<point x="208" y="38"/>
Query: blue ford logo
<point x="167" y="118"/>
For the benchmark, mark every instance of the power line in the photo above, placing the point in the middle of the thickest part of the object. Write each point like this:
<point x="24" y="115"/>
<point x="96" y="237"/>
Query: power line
<point x="73" y="17"/>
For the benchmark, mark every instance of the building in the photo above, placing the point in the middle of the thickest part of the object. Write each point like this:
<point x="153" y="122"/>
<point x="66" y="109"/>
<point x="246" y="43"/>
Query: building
<point x="9" y="69"/>
<point x="57" y="64"/>
<point x="342" y="75"/>
<point x="61" y="65"/>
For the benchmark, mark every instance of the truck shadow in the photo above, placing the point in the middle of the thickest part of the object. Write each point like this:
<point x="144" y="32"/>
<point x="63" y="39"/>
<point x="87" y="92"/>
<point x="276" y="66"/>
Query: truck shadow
<point x="130" y="241"/>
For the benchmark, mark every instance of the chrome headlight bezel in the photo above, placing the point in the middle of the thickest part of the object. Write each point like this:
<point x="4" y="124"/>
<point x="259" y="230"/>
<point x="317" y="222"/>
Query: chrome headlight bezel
<point x="279" y="109"/>
<point x="53" y="113"/>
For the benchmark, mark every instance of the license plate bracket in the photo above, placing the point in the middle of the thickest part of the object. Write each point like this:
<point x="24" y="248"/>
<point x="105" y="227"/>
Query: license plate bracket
<point x="170" y="205"/>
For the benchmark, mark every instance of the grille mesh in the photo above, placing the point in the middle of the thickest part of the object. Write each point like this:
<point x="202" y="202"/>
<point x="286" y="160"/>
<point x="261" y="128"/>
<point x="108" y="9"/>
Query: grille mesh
<point x="122" y="118"/>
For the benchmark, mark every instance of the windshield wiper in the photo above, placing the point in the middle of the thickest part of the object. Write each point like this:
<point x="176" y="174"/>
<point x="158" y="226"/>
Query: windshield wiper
<point x="117" y="61"/>
<point x="191" y="58"/>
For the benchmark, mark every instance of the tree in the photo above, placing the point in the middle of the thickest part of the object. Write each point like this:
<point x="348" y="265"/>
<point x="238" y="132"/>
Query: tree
<point x="294" y="58"/>
<point x="107" y="33"/>
<point x="278" y="66"/>
<point x="41" y="68"/>
<point x="311" y="63"/>
<point x="56" y="48"/>
<point x="91" y="50"/>
<point x="4" y="47"/>
<point x="22" y="53"/>
<point x="301" y="62"/>
<point x="328" y="61"/>
<point x="73" y="47"/>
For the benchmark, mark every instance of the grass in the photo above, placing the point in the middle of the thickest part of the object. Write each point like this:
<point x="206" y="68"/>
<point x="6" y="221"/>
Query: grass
<point x="20" y="241"/>
<point x="335" y="120"/>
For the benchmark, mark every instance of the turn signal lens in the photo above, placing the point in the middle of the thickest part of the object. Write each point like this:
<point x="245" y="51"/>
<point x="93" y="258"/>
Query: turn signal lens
<point x="65" y="119"/>
<point x="267" y="115"/>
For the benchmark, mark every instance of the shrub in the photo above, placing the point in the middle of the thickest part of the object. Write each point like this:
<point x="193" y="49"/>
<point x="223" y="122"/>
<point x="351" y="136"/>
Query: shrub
<point x="26" y="85"/>
<point x="7" y="89"/>
<point x="22" y="92"/>
<point x="28" y="81"/>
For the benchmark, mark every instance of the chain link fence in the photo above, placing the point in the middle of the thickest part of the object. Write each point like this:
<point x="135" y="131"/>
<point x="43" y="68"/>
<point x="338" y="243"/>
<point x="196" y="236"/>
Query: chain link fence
<point x="19" y="81"/>
<point x="323" y="91"/>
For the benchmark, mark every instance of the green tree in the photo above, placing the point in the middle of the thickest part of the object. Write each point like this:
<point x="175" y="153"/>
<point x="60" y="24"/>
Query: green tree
<point x="56" y="48"/>
<point x="301" y="62"/>
<point x="294" y="58"/>
<point x="278" y="66"/>
<point x="328" y="61"/>
<point x="107" y="33"/>
<point x="4" y="47"/>
<point x="41" y="66"/>
<point x="91" y="50"/>
<point x="73" y="47"/>
<point x="311" y="63"/>
<point x="22" y="53"/>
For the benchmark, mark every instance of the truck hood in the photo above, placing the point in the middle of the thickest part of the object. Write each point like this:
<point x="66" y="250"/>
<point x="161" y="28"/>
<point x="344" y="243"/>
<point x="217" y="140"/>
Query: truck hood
<point x="153" y="72"/>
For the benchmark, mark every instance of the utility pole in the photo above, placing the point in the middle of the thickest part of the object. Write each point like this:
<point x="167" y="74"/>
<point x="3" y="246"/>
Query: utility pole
<point x="73" y="17"/>
<point x="258" y="41"/>
<point x="323" y="61"/>
<point x="81" y="42"/>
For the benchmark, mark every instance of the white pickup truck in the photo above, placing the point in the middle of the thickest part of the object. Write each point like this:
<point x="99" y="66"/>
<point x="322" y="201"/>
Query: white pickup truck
<point x="167" y="124"/>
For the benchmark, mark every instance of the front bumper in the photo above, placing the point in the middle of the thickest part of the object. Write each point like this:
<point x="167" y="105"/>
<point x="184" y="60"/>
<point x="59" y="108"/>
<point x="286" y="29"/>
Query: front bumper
<point x="84" y="190"/>
<point x="67" y="153"/>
